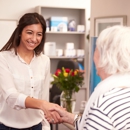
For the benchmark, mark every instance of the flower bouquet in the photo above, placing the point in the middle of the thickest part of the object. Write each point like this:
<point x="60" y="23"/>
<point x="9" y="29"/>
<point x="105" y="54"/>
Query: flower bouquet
<point x="68" y="81"/>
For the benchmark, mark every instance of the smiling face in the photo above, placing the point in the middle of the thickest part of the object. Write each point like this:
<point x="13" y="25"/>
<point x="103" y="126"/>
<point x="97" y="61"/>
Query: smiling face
<point x="31" y="37"/>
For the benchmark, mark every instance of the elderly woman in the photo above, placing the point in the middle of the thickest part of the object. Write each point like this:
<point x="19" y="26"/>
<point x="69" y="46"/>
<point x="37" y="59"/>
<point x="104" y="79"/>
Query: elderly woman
<point x="109" y="105"/>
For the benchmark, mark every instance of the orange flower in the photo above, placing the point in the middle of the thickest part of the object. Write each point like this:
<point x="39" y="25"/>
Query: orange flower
<point x="75" y="72"/>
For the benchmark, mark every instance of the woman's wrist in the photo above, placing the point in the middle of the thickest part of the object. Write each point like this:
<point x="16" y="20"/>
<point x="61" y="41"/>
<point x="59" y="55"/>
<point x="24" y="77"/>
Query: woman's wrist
<point x="70" y="118"/>
<point x="33" y="103"/>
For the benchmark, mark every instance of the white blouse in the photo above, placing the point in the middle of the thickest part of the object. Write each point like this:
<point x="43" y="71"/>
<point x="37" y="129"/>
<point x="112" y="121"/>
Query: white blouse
<point x="19" y="80"/>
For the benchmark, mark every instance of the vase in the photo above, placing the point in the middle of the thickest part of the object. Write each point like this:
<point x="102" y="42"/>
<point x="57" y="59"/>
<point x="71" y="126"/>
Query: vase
<point x="68" y="100"/>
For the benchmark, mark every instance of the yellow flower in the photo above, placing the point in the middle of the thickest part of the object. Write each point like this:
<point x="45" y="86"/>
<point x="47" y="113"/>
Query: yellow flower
<point x="65" y="74"/>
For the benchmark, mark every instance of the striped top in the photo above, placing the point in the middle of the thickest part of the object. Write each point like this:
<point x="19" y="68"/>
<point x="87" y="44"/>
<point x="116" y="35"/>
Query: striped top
<point x="111" y="111"/>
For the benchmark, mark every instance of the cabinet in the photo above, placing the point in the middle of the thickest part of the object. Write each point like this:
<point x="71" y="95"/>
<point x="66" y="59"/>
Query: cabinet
<point x="61" y="38"/>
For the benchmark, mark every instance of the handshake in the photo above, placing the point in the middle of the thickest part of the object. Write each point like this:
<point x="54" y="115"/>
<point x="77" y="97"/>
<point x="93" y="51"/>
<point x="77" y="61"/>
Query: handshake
<point x="57" y="114"/>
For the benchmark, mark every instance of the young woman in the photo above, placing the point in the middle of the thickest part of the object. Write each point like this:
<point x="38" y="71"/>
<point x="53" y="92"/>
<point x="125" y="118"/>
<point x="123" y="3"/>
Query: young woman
<point x="24" y="78"/>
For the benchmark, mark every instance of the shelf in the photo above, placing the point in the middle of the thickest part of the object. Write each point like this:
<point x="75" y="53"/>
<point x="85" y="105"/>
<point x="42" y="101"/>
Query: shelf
<point x="64" y="57"/>
<point x="53" y="7"/>
<point x="50" y="32"/>
<point x="61" y="38"/>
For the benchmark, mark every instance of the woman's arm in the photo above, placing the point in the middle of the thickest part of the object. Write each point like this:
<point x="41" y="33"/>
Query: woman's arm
<point x="18" y="100"/>
<point x="44" y="106"/>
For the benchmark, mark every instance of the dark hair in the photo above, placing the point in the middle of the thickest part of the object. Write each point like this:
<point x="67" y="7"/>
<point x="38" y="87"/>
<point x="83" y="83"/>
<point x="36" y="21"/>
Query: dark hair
<point x="25" y="20"/>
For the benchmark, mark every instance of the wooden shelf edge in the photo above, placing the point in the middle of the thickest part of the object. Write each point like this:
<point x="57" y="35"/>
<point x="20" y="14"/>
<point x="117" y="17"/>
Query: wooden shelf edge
<point x="64" y="57"/>
<point x="60" y="7"/>
<point x="50" y="32"/>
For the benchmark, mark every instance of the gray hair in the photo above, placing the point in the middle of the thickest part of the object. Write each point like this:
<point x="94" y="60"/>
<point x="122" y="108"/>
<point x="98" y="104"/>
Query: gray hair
<point x="113" y="45"/>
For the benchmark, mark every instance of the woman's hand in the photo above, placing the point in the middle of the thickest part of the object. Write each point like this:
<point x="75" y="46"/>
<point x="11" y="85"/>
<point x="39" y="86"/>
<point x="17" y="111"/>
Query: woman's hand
<point x="45" y="106"/>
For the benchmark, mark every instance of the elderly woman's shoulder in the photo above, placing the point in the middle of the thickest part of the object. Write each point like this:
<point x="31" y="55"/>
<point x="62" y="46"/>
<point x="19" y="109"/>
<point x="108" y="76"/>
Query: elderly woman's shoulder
<point x="108" y="99"/>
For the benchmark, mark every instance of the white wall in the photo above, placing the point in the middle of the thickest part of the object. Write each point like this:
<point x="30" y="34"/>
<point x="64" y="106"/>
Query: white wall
<point x="13" y="9"/>
<point x="100" y="8"/>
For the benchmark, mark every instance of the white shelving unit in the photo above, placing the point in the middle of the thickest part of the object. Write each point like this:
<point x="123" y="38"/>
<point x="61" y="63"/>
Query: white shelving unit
<point x="61" y="38"/>
<point x="50" y="32"/>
